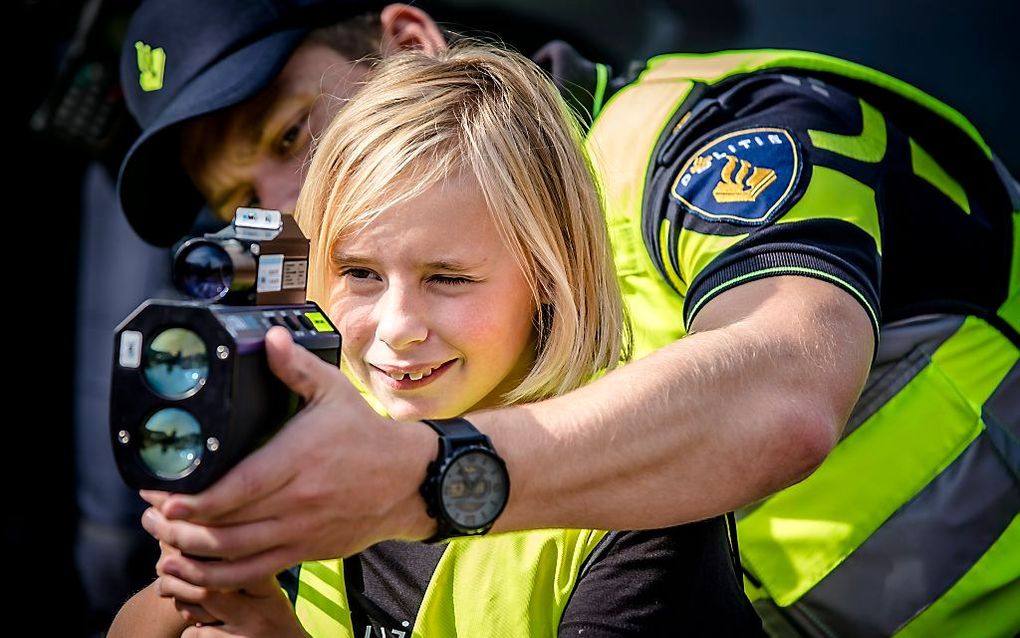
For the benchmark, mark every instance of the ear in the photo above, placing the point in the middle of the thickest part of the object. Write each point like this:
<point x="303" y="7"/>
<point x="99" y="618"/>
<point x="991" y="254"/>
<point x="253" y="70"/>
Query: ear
<point x="405" y="27"/>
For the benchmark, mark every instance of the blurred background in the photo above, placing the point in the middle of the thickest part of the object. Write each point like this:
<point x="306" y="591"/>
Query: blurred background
<point x="964" y="53"/>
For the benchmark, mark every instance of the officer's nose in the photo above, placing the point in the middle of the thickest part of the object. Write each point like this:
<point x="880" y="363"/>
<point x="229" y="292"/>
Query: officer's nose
<point x="277" y="187"/>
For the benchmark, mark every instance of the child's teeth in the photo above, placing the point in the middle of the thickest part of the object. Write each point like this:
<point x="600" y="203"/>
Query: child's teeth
<point x="416" y="376"/>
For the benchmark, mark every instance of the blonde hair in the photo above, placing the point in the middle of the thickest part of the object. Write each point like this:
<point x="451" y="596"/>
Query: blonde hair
<point x="420" y="119"/>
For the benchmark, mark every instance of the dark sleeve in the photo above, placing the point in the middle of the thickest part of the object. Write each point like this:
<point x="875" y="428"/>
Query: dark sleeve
<point x="671" y="582"/>
<point x="775" y="176"/>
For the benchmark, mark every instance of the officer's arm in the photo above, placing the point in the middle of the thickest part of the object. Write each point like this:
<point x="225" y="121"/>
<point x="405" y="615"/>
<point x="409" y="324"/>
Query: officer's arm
<point x="749" y="403"/>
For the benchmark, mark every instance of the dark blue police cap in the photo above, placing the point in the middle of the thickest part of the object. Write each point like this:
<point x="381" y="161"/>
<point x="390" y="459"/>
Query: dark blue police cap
<point x="185" y="58"/>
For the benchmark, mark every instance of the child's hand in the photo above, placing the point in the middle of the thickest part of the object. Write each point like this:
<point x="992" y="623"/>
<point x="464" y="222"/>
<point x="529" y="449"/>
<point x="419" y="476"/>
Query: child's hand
<point x="259" y="609"/>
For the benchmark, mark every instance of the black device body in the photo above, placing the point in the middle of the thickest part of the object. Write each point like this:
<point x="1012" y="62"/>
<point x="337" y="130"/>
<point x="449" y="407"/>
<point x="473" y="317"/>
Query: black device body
<point x="192" y="393"/>
<point x="239" y="405"/>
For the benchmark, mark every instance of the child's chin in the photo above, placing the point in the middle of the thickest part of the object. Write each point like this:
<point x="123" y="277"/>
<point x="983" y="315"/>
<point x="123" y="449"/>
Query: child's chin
<point x="403" y="410"/>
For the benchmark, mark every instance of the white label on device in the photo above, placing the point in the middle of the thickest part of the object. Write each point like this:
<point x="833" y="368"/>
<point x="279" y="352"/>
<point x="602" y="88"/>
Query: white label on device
<point x="295" y="273"/>
<point x="270" y="273"/>
<point x="130" y="349"/>
<point x="258" y="218"/>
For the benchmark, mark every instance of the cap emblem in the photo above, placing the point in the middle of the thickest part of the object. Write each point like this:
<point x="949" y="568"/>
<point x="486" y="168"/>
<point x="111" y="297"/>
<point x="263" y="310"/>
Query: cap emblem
<point x="151" y="63"/>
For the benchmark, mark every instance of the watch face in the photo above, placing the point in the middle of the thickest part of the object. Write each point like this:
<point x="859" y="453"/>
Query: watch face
<point x="474" y="490"/>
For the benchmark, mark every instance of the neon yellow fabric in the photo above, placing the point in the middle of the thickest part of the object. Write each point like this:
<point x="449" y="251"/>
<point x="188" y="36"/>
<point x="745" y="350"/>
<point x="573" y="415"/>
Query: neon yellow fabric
<point x="832" y="194"/>
<point x="697" y="250"/>
<point x="928" y="169"/>
<point x="792" y="540"/>
<point x="506" y="586"/>
<point x="719" y="66"/>
<point x="866" y="146"/>
<point x="801" y="534"/>
<point x="619" y="143"/>
<point x="321" y="605"/>
<point x="671" y="274"/>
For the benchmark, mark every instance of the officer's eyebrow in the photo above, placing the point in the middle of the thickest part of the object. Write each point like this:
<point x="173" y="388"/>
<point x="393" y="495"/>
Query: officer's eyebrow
<point x="258" y="133"/>
<point x="288" y="107"/>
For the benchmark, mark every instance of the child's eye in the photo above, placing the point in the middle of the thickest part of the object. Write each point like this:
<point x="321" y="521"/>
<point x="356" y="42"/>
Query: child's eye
<point x="450" y="280"/>
<point x="357" y="273"/>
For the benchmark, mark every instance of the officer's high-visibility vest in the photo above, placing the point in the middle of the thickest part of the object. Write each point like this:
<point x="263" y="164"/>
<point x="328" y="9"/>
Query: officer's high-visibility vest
<point x="911" y="526"/>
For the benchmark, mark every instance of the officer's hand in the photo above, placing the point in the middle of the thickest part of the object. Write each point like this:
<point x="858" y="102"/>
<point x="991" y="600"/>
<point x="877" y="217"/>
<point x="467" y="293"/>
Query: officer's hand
<point x="335" y="479"/>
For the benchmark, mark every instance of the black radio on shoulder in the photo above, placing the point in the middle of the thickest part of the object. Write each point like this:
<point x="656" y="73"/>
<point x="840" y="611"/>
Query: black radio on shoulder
<point x="192" y="393"/>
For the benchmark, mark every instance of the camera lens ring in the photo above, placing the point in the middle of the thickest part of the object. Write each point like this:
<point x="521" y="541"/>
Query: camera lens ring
<point x="175" y="363"/>
<point x="170" y="443"/>
<point x="203" y="269"/>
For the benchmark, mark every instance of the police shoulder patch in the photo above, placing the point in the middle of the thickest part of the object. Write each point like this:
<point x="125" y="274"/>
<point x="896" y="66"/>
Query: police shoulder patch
<point x="741" y="177"/>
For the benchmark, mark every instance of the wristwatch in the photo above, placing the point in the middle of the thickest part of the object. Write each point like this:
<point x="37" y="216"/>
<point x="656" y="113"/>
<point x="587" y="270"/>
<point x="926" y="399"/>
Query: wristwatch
<point x="467" y="486"/>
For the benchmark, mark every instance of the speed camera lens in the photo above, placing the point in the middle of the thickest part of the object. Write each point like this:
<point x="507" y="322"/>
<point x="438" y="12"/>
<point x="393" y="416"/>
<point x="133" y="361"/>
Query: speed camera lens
<point x="171" y="443"/>
<point x="176" y="363"/>
<point x="203" y="270"/>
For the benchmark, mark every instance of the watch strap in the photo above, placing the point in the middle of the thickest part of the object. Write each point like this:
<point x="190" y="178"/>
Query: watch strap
<point x="458" y="431"/>
<point x="454" y="433"/>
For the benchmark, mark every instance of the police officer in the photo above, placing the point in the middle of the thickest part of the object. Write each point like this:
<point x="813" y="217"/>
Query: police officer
<point x="789" y="229"/>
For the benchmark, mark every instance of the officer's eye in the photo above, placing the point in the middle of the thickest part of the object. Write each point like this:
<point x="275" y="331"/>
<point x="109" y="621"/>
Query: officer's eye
<point x="290" y="137"/>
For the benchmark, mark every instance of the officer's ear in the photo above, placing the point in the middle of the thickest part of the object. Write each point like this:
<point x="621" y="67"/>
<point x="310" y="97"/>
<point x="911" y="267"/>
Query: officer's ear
<point x="406" y="27"/>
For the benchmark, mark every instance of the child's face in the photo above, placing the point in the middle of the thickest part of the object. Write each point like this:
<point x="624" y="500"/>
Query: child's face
<point x="429" y="288"/>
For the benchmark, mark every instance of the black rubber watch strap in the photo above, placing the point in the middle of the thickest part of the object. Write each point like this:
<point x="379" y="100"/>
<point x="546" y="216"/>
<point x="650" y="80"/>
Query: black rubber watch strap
<point x="458" y="431"/>
<point x="454" y="434"/>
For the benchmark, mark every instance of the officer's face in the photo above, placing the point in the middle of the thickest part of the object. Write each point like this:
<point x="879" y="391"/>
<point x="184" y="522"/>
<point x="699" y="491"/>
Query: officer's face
<point x="433" y="325"/>
<point x="255" y="153"/>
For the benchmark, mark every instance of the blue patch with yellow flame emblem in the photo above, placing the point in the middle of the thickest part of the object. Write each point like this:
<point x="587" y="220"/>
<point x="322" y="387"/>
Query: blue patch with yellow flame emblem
<point x="741" y="177"/>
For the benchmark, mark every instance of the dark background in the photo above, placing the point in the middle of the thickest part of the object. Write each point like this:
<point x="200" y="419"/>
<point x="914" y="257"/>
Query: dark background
<point x="964" y="53"/>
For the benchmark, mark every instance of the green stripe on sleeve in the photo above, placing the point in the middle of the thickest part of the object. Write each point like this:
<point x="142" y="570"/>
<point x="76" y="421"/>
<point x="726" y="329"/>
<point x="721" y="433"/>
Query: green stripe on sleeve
<point x="667" y="263"/>
<point x="601" y="81"/>
<point x="867" y="146"/>
<point x="927" y="168"/>
<point x="835" y="195"/>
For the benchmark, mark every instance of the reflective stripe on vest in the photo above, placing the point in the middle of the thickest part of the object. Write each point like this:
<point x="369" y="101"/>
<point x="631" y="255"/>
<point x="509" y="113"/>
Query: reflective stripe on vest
<point x="321" y="603"/>
<point x="835" y="552"/>
<point x="517" y="583"/>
